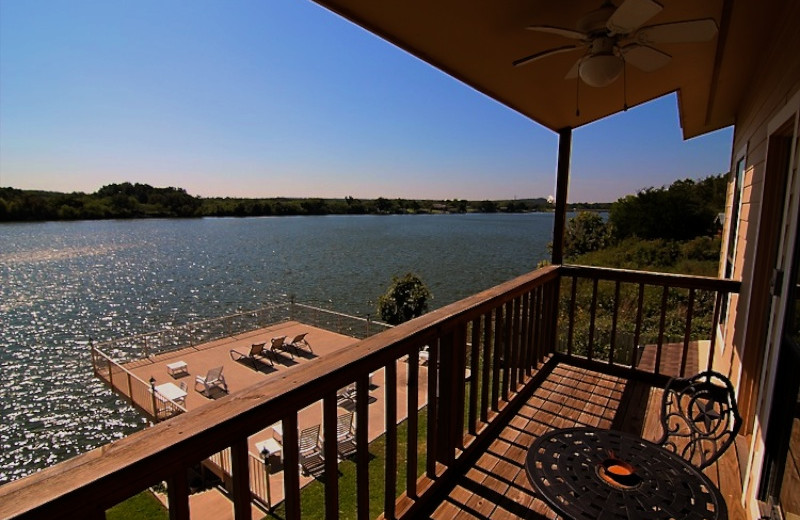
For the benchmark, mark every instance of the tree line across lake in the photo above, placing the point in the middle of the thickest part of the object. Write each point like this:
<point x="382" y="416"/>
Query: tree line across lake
<point x="128" y="200"/>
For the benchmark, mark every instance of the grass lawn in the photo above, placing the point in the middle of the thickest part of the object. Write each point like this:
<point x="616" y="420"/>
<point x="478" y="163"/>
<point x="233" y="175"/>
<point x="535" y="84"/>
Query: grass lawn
<point x="312" y="497"/>
<point x="142" y="506"/>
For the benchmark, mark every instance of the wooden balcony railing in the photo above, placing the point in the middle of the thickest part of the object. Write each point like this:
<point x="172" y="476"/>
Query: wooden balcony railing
<point x="483" y="353"/>
<point x="662" y="324"/>
<point x="132" y="388"/>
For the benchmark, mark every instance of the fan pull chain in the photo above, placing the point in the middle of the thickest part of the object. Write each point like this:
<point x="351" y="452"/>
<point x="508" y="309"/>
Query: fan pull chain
<point x="577" y="97"/>
<point x="624" y="86"/>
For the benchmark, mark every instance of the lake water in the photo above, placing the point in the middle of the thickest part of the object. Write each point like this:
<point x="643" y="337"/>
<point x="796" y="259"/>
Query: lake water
<point x="62" y="283"/>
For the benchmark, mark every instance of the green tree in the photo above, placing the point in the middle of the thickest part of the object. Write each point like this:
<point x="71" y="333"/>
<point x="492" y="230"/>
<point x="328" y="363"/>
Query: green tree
<point x="487" y="206"/>
<point x="585" y="232"/>
<point x="406" y="298"/>
<point x="683" y="211"/>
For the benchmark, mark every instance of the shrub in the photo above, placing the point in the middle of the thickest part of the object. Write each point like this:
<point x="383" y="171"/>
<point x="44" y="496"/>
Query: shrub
<point x="406" y="298"/>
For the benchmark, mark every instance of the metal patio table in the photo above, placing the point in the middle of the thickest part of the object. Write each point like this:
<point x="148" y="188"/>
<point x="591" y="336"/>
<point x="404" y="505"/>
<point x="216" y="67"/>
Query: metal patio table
<point x="573" y="471"/>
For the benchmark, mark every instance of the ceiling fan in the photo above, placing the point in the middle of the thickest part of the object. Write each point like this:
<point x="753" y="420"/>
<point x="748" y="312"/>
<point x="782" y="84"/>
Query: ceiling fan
<point x="613" y="36"/>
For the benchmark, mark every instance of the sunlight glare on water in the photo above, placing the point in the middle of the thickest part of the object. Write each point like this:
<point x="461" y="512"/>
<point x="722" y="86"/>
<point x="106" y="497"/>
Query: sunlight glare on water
<point x="63" y="284"/>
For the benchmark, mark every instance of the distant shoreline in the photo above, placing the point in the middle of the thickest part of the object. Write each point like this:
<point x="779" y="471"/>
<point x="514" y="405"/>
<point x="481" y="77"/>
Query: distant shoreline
<point x="141" y="201"/>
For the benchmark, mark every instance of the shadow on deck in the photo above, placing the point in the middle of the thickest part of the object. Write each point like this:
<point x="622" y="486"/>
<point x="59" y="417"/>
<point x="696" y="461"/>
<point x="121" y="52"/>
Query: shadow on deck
<point x="494" y="484"/>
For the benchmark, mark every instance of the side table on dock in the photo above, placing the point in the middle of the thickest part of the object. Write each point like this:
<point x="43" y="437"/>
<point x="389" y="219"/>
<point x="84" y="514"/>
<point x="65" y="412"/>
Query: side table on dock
<point x="178" y="368"/>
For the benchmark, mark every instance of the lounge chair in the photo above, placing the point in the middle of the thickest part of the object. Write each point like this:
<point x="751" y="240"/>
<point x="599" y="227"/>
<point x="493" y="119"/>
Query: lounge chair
<point x="300" y="341"/>
<point x="256" y="350"/>
<point x="346" y="396"/>
<point x="310" y="448"/>
<point x="279" y="343"/>
<point x="345" y="435"/>
<point x="212" y="379"/>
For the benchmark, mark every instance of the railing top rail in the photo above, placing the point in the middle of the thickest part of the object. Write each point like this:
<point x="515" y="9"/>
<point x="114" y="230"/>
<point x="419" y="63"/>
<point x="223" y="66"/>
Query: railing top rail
<point x="335" y="313"/>
<point x="122" y="368"/>
<point x="192" y="324"/>
<point x="648" y="277"/>
<point x="135" y="377"/>
<point x="124" y="467"/>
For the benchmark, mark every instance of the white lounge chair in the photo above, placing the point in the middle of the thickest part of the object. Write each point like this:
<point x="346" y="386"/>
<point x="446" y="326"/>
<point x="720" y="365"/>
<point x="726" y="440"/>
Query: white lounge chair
<point x="256" y="350"/>
<point x="310" y="448"/>
<point x="279" y="343"/>
<point x="346" y="395"/>
<point x="345" y="435"/>
<point x="212" y="379"/>
<point x="301" y="341"/>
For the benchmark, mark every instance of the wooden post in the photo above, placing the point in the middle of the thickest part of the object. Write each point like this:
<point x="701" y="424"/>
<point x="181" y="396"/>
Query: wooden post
<point x="153" y="397"/>
<point x="178" y="495"/>
<point x="362" y="447"/>
<point x="267" y="471"/>
<point x="241" y="480"/>
<point x="562" y="185"/>
<point x="291" y="459"/>
<point x="390" y="476"/>
<point x="329" y="425"/>
<point x="452" y="349"/>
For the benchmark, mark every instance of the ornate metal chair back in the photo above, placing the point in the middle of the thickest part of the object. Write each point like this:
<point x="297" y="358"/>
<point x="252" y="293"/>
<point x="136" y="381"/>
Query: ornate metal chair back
<point x="699" y="417"/>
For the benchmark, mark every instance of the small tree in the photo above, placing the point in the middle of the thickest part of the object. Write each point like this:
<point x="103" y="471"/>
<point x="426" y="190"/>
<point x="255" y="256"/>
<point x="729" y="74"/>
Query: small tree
<point x="585" y="232"/>
<point x="406" y="298"/>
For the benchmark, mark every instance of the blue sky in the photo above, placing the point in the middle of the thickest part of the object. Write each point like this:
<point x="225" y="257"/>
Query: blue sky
<point x="283" y="98"/>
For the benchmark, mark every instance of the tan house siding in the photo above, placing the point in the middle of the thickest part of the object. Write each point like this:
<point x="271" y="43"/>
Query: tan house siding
<point x="777" y="79"/>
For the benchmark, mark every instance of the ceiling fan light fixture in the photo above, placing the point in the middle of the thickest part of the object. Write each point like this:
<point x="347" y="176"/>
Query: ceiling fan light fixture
<point x="600" y="70"/>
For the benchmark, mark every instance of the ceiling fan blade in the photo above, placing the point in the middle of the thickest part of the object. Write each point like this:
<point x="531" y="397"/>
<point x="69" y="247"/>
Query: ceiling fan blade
<point x="573" y="72"/>
<point x="679" y="32"/>
<point x="544" y="54"/>
<point x="632" y="14"/>
<point x="644" y="58"/>
<point x="566" y="33"/>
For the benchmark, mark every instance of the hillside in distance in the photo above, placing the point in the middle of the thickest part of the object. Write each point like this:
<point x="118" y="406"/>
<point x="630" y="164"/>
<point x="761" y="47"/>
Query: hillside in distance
<point x="127" y="200"/>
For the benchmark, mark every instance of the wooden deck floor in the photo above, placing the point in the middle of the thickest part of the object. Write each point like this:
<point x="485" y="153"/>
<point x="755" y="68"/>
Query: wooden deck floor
<point x="496" y="487"/>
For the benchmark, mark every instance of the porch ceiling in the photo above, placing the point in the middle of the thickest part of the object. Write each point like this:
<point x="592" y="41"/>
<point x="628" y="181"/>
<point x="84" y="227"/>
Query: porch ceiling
<point x="476" y="42"/>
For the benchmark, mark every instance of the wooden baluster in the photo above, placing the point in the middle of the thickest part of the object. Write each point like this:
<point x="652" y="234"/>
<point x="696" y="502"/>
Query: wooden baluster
<point x="178" y="496"/>
<point x="637" y="332"/>
<point x="291" y="461"/>
<point x="538" y="329"/>
<point x="390" y="477"/>
<point x="688" y="332"/>
<point x="362" y="446"/>
<point x="330" y="453"/>
<point x="592" y="317"/>
<point x="241" y="480"/>
<point x="497" y="356"/>
<point x="571" y="330"/>
<point x="413" y="427"/>
<point x="516" y="346"/>
<point x="473" y="375"/>
<point x="433" y="409"/>
<point x="661" y="326"/>
<point x="527" y="343"/>
<point x="614" y="318"/>
<point x="486" y="365"/>
<point x="507" y="349"/>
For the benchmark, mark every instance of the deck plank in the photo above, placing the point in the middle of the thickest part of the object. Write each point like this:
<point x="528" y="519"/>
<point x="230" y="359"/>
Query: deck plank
<point x="496" y="486"/>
